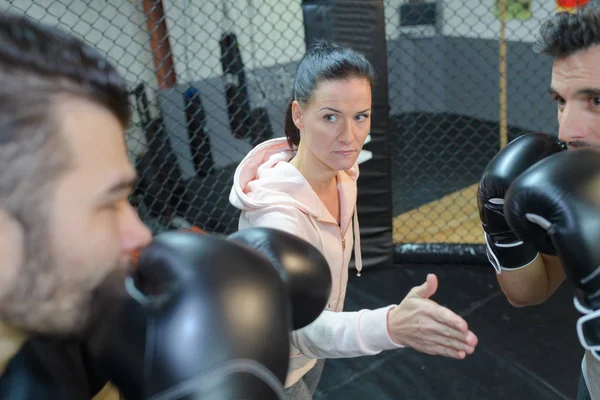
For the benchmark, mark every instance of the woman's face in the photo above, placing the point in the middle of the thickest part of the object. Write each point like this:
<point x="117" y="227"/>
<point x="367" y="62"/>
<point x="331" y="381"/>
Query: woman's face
<point x="336" y="121"/>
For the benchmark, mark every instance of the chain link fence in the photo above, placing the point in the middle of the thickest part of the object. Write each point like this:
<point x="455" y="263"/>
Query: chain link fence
<point x="464" y="80"/>
<point x="210" y="79"/>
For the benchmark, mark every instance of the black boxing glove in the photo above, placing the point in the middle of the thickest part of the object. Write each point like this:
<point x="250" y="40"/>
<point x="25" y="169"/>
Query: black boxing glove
<point x="504" y="250"/>
<point x="555" y="206"/>
<point x="301" y="266"/>
<point x="200" y="318"/>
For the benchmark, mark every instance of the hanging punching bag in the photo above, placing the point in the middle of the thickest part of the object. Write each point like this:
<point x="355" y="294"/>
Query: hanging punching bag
<point x="199" y="140"/>
<point x="236" y="89"/>
<point x="360" y="25"/>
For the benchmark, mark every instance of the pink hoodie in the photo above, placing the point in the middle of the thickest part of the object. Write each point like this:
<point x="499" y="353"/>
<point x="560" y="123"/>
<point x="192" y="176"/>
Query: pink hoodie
<point x="272" y="193"/>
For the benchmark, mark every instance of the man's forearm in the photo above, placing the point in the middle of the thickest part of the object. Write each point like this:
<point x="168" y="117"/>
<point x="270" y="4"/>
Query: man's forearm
<point x="532" y="284"/>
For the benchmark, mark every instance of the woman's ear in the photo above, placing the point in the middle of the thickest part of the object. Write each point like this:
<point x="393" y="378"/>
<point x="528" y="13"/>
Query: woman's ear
<point x="297" y="115"/>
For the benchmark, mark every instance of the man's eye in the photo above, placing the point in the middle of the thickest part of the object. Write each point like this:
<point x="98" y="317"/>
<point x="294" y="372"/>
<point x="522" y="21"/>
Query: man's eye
<point x="114" y="205"/>
<point x="560" y="102"/>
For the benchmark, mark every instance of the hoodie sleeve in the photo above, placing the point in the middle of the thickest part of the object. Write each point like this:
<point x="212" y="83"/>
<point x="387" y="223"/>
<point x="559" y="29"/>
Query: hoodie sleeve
<point x="345" y="334"/>
<point x="332" y="334"/>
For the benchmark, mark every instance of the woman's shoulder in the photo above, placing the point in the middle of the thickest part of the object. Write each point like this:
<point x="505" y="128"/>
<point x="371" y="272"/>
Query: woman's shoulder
<point x="284" y="217"/>
<point x="275" y="213"/>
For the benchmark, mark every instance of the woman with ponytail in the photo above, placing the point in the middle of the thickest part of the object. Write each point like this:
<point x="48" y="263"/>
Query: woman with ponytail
<point x="306" y="184"/>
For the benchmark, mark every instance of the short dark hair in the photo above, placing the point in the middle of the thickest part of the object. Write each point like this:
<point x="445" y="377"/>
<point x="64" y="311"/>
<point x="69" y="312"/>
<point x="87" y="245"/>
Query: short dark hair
<point x="39" y="67"/>
<point x="566" y="33"/>
<point x="323" y="62"/>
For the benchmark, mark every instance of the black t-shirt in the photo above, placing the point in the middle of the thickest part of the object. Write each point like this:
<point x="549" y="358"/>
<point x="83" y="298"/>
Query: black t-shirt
<point x="51" y="369"/>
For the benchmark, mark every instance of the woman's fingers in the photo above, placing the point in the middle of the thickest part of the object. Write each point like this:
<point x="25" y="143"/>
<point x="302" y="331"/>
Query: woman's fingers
<point x="452" y="325"/>
<point x="467" y="337"/>
<point x="430" y="328"/>
<point x="452" y="343"/>
<point x="449" y="318"/>
<point x="449" y="330"/>
<point x="438" y="344"/>
<point x="439" y="350"/>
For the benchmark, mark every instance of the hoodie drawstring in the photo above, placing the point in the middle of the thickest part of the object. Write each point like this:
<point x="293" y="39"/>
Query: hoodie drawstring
<point x="357" y="253"/>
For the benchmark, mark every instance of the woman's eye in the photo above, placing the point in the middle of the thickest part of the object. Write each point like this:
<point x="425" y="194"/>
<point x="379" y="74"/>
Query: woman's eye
<point x="330" y="118"/>
<point x="362" y="117"/>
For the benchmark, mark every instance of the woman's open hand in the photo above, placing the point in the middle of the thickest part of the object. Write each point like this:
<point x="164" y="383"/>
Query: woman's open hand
<point x="422" y="324"/>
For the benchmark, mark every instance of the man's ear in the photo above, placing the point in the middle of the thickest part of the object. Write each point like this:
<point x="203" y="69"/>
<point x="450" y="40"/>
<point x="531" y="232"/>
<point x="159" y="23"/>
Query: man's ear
<point x="297" y="115"/>
<point x="12" y="249"/>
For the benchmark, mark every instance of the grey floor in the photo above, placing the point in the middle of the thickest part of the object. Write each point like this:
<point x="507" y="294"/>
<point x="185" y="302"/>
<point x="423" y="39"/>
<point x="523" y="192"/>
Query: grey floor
<point x="523" y="353"/>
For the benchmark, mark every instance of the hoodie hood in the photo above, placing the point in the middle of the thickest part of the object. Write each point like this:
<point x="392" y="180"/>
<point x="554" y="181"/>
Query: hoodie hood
<point x="262" y="180"/>
<point x="265" y="178"/>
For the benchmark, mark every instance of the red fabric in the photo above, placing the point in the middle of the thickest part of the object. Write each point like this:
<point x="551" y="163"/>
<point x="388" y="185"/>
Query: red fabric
<point x="570" y="4"/>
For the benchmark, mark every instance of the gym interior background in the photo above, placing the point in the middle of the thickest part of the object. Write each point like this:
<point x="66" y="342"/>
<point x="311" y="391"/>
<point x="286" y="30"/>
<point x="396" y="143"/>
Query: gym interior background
<point x="457" y="79"/>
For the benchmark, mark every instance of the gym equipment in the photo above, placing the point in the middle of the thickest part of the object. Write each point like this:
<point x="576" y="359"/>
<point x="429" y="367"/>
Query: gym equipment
<point x="157" y="168"/>
<point x="246" y="123"/>
<point x="236" y="89"/>
<point x="200" y="200"/>
<point x="360" y="25"/>
<point x="199" y="140"/>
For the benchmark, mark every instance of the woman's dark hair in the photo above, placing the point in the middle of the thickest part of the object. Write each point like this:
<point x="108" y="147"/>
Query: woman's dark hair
<point x="323" y="62"/>
<point x="568" y="32"/>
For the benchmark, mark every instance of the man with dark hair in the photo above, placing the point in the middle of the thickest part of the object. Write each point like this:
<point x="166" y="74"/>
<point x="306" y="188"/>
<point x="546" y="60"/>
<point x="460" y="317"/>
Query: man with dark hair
<point x="65" y="178"/>
<point x="526" y="276"/>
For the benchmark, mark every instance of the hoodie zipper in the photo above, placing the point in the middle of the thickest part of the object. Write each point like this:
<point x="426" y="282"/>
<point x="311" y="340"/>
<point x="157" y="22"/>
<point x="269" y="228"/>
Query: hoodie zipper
<point x="343" y="258"/>
<point x="343" y="239"/>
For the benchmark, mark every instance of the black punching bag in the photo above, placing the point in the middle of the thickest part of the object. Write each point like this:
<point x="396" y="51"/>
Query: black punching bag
<point x="318" y="23"/>
<point x="236" y="88"/>
<point x="199" y="139"/>
<point x="360" y="25"/>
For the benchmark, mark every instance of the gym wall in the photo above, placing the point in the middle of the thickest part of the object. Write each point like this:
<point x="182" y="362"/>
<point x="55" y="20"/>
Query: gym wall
<point x="454" y="64"/>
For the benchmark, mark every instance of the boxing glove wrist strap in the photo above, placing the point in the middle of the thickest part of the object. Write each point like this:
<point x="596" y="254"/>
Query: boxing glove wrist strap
<point x="588" y="328"/>
<point x="509" y="256"/>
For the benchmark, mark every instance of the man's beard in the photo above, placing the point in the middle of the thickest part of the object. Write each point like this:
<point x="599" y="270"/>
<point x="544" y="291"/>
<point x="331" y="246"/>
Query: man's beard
<point x="38" y="304"/>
